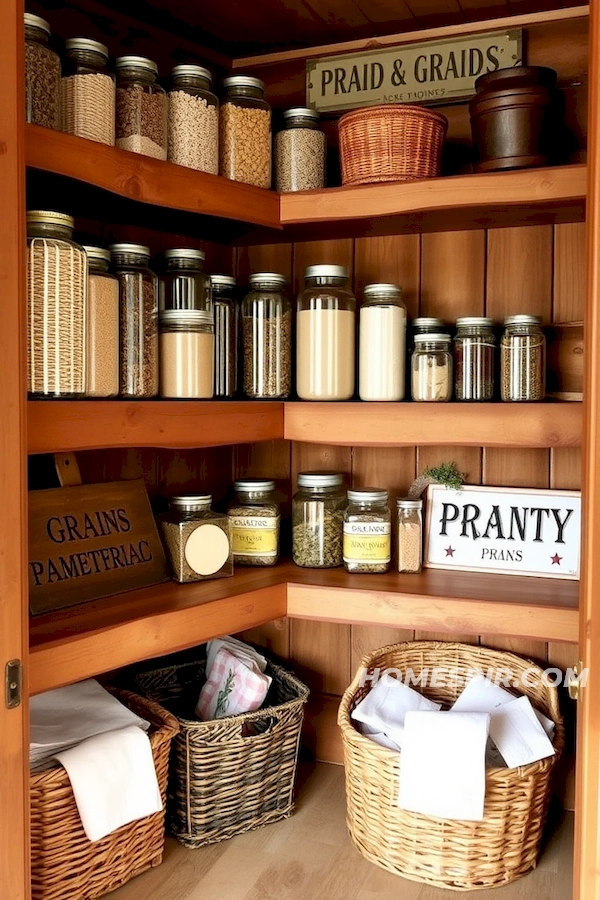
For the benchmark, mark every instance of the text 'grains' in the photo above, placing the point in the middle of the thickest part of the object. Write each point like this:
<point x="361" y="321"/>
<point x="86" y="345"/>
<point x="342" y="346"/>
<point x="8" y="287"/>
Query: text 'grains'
<point x="300" y="159"/>
<point x="193" y="132"/>
<point x="42" y="86"/>
<point x="267" y="356"/>
<point x="245" y="145"/>
<point x="88" y="107"/>
<point x="141" y="121"/>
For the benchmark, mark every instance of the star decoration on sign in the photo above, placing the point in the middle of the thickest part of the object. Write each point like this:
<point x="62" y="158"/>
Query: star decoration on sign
<point x="450" y="551"/>
<point x="556" y="559"/>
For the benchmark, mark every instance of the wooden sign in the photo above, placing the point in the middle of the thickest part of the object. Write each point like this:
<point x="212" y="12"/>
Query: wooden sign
<point x="512" y="531"/>
<point x="427" y="72"/>
<point x="91" y="541"/>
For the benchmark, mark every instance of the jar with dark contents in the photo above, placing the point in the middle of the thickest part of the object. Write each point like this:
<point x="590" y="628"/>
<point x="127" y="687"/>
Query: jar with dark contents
<point x="226" y="334"/>
<point x="42" y="75"/>
<point x="523" y="359"/>
<point x="367" y="531"/>
<point x="267" y="337"/>
<point x="474" y="357"/>
<point x="141" y="115"/>
<point x="318" y="520"/>
<point x="196" y="539"/>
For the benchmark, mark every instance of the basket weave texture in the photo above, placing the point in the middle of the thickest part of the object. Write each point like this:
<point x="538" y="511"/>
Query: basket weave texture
<point x="65" y="865"/>
<point x="452" y="854"/>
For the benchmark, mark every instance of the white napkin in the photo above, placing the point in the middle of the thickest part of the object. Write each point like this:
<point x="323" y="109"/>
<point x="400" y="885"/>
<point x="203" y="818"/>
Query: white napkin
<point x="378" y="737"/>
<point x="518" y="735"/>
<point x="482" y="695"/>
<point x="243" y="651"/>
<point x="385" y="706"/>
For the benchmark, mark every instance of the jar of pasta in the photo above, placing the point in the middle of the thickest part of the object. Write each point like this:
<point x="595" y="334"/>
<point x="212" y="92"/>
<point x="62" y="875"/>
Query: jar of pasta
<point x="245" y="132"/>
<point x="254" y="522"/>
<point x="193" y="120"/>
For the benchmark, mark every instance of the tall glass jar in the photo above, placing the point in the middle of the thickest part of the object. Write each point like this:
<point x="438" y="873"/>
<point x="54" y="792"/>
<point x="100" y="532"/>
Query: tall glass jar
<point x="245" y="132"/>
<point x="226" y="334"/>
<point x="88" y="91"/>
<point x="42" y="75"/>
<point x="187" y="348"/>
<point x="523" y="359"/>
<point x="56" y="306"/>
<point x="300" y="152"/>
<point x="193" y="120"/>
<point x="267" y="337"/>
<point x="410" y="535"/>
<point x="196" y="539"/>
<point x="103" y="326"/>
<point x="382" y="353"/>
<point x="254" y="522"/>
<point x="138" y="294"/>
<point x="431" y="368"/>
<point x="367" y="531"/>
<point x="325" y="328"/>
<point x="185" y="284"/>
<point x="141" y="114"/>
<point x="318" y="520"/>
<point x="474" y="357"/>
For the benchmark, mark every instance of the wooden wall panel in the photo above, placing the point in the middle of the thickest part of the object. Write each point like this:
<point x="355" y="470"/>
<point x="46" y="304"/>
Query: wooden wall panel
<point x="395" y="260"/>
<point x="519" y="271"/>
<point x="569" y="272"/>
<point x="453" y="274"/>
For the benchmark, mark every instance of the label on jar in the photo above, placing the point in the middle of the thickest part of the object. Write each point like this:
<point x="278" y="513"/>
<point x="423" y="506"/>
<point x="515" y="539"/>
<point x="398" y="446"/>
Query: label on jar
<point x="367" y="542"/>
<point x="207" y="549"/>
<point x="254" y="536"/>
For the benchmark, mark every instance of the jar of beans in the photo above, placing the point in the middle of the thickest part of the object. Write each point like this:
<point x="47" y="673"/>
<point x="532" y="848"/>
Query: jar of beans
<point x="431" y="368"/>
<point x="42" y="75"/>
<point x="245" y="132"/>
<point x="141" y="119"/>
<point x="193" y="120"/>
<point x="88" y="91"/>
<point x="185" y="285"/>
<point x="226" y="334"/>
<point x="267" y="337"/>
<point x="300" y="152"/>
<point x="196" y="539"/>
<point x="523" y="359"/>
<point x="410" y="535"/>
<point x="318" y="520"/>
<point x="254" y="523"/>
<point x="187" y="346"/>
<point x="367" y="531"/>
<point x="474" y="355"/>
<point x="103" y="326"/>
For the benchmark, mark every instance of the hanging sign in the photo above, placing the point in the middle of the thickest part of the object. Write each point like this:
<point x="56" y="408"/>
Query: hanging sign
<point x="428" y="72"/>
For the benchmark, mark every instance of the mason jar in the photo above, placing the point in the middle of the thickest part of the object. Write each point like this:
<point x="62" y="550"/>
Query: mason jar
<point x="141" y="113"/>
<point x="103" y="326"/>
<point x="138" y="294"/>
<point x="318" y="520"/>
<point x="224" y="293"/>
<point x="193" y="120"/>
<point x="196" y="539"/>
<point x="428" y="325"/>
<point x="245" y="132"/>
<point x="431" y="368"/>
<point x="187" y="347"/>
<point x="42" y="75"/>
<point x="367" y="531"/>
<point x="88" y="91"/>
<point x="300" y="152"/>
<point x="474" y="358"/>
<point x="185" y="285"/>
<point x="267" y="337"/>
<point x="523" y="359"/>
<point x="254" y="522"/>
<point x="382" y="344"/>
<point x="410" y="535"/>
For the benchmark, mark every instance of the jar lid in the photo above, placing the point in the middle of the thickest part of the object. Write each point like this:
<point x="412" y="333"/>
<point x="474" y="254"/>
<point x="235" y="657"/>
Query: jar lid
<point x="254" y="484"/>
<point x="86" y="44"/>
<point x="191" y="500"/>
<point x="523" y="320"/>
<point x="198" y="71"/>
<point x="474" y="321"/>
<point x="136" y="62"/>
<point x="136" y="249"/>
<point x="405" y="503"/>
<point x="97" y="253"/>
<point x="320" y="479"/>
<point x="49" y="217"/>
<point x="427" y="322"/>
<point x="326" y="272"/>
<point x="222" y="281"/>
<point x="426" y="338"/>
<point x="368" y="494"/>
<point x="301" y="112"/>
<point x="243" y="81"/>
<point x="185" y="253"/>
<point x="270" y="277"/>
<point x="37" y="22"/>
<point x="185" y="317"/>
<point x="389" y="290"/>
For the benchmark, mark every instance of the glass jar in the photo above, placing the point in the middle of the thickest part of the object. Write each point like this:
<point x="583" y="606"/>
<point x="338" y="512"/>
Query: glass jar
<point x="196" y="539"/>
<point x="42" y="75"/>
<point x="410" y="535"/>
<point x="103" y="326"/>
<point x="187" y="349"/>
<point x="185" y="285"/>
<point x="267" y="337"/>
<point x="141" y="113"/>
<point x="318" y="520"/>
<point x="300" y="152"/>
<point x="474" y="356"/>
<point x="428" y="325"/>
<point x="431" y="368"/>
<point x="226" y="334"/>
<point x="193" y="120"/>
<point x="325" y="335"/>
<point x="245" y="132"/>
<point x="56" y="306"/>
<point x="523" y="359"/>
<point x="88" y="92"/>
<point x="138" y="300"/>
<point x="382" y="353"/>
<point x="254" y="523"/>
<point x="367" y="531"/>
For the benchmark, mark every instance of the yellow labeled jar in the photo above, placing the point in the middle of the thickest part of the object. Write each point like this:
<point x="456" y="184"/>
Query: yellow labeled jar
<point x="254" y="523"/>
<point x="367" y="531"/>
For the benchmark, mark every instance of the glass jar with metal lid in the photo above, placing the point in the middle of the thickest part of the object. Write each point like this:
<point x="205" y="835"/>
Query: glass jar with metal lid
<point x="196" y="539"/>
<point x="56" y="306"/>
<point x="367" y="531"/>
<point x="225" y="305"/>
<point x="138" y="297"/>
<point x="88" y="91"/>
<point x="318" y="520"/>
<point x="431" y="368"/>
<point x="410" y="535"/>
<point x="245" y="132"/>
<point x="141" y="116"/>
<point x="254" y="522"/>
<point x="187" y="348"/>
<point x="193" y="120"/>
<point x="300" y="152"/>
<point x="103" y="326"/>
<point x="523" y="359"/>
<point x="474" y="358"/>
<point x="185" y="285"/>
<point x="267" y="337"/>
<point x="325" y="327"/>
<point x="428" y="325"/>
<point x="42" y="75"/>
<point x="382" y="343"/>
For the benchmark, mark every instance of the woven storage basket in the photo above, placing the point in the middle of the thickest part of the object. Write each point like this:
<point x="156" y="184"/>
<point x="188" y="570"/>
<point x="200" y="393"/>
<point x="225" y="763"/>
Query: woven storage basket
<point x="391" y="143"/>
<point x="233" y="774"/>
<point x="451" y="854"/>
<point x="65" y="865"/>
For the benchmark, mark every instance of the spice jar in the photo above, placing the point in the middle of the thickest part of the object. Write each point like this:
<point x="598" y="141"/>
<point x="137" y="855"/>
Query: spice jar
<point x="325" y="335"/>
<point x="300" y="152"/>
<point x="141" y="115"/>
<point x="138" y="295"/>
<point x="103" y="326"/>
<point x="42" y="75"/>
<point x="193" y="120"/>
<point x="267" y="337"/>
<point x="245" y="132"/>
<point x="367" y="531"/>
<point x="431" y="368"/>
<point x="185" y="284"/>
<point x="187" y="346"/>
<point x="523" y="359"/>
<point x="382" y="345"/>
<point x="196" y="539"/>
<point x="254" y="523"/>
<point x="56" y="306"/>
<point x="226" y="334"/>
<point x="88" y="92"/>
<point x="410" y="535"/>
<point x="474" y="351"/>
<point x="318" y="520"/>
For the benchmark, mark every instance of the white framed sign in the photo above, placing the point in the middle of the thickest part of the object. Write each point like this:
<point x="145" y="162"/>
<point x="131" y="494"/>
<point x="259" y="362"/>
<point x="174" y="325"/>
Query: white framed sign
<point x="510" y="531"/>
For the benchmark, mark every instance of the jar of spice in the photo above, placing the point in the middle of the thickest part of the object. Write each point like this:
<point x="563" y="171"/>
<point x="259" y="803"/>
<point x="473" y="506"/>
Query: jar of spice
<point x="88" y="92"/>
<point x="196" y="539"/>
<point x="187" y="346"/>
<point x="267" y="337"/>
<point x="185" y="285"/>
<point x="193" y="120"/>
<point x="254" y="523"/>
<point x="325" y="327"/>
<point x="318" y="520"/>
<point x="42" y="75"/>
<point x="300" y="152"/>
<point x="141" y="114"/>
<point x="226" y="334"/>
<point x="410" y="535"/>
<point x="523" y="359"/>
<point x="367" y="531"/>
<point x="245" y="132"/>
<point x="103" y="326"/>
<point x="474" y="353"/>
<point x="431" y="368"/>
<point x="382" y="348"/>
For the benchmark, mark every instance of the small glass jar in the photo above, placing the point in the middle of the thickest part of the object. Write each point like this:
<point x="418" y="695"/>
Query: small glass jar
<point x="187" y="349"/>
<point x="325" y="327"/>
<point x="185" y="285"/>
<point x="367" y="531"/>
<point x="267" y="337"/>
<point x="382" y="347"/>
<point x="410" y="535"/>
<point x="103" y="326"/>
<point x="196" y="539"/>
<point x="42" y="75"/>
<point x="523" y="359"/>
<point x="254" y="523"/>
<point x="300" y="152"/>
<point x="318" y="520"/>
<point x="141" y="111"/>
<point x="427" y="325"/>
<point x="431" y="368"/>
<point x="245" y="132"/>
<point x="474" y="357"/>
<point x="138" y="293"/>
<point x="88" y="91"/>
<point x="226" y="334"/>
<point x="193" y="120"/>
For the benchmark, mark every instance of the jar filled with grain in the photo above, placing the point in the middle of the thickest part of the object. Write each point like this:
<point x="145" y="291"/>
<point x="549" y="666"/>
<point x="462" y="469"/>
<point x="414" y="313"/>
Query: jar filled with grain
<point x="138" y="302"/>
<point x="474" y="357"/>
<point x="141" y="113"/>
<point x="267" y="337"/>
<point x="300" y="152"/>
<point x="42" y="75"/>
<point x="185" y="284"/>
<point x="88" y="92"/>
<point x="410" y="535"/>
<point x="254" y="523"/>
<point x="103" y="326"/>
<point x="56" y="306"/>
<point x="245" y="132"/>
<point x="382" y="347"/>
<point x="193" y="120"/>
<point x="318" y="520"/>
<point x="226" y="311"/>
<point x="187" y="347"/>
<point x="325" y="335"/>
<point x="196" y="539"/>
<point x="367" y="531"/>
<point x="523" y="359"/>
<point x="431" y="368"/>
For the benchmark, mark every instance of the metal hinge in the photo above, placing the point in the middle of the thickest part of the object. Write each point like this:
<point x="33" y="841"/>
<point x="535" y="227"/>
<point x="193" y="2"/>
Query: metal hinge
<point x="576" y="682"/>
<point x="13" y="678"/>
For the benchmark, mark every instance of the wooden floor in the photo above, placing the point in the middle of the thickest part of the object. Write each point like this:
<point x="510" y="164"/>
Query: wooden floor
<point x="310" y="857"/>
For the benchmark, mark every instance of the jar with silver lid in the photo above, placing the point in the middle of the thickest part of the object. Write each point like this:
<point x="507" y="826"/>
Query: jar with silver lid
<point x="318" y="520"/>
<point x="428" y="325"/>
<point x="410" y="535"/>
<point x="103" y="326"/>
<point x="141" y="111"/>
<point x="523" y="359"/>
<point x="300" y="152"/>
<point x="367" y="531"/>
<point x="42" y="75"/>
<point x="431" y="368"/>
<point x="267" y="337"/>
<point x="193" y="120"/>
<point x="474" y="358"/>
<point x="245" y="132"/>
<point x="185" y="285"/>
<point x="224" y="294"/>
<point x="88" y="91"/>
<point x="196" y="539"/>
<point x="254" y="522"/>
<point x="187" y="344"/>
<point x="382" y="344"/>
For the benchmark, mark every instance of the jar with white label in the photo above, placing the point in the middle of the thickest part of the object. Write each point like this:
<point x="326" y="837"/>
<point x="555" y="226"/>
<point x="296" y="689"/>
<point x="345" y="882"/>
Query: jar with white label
<point x="254" y="523"/>
<point x="196" y="539"/>
<point x="367" y="531"/>
<point x="382" y="353"/>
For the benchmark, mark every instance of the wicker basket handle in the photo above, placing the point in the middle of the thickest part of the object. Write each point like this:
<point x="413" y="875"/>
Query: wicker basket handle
<point x="259" y="727"/>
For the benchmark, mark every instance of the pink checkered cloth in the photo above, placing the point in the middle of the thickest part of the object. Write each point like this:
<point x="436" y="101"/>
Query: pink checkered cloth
<point x="231" y="688"/>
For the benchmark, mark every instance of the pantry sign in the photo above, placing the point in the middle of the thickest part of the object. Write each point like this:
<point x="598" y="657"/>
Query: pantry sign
<point x="504" y="530"/>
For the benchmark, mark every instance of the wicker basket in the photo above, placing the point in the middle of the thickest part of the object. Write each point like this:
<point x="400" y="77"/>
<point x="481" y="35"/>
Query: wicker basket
<point x="232" y="774"/>
<point x="65" y="865"/>
<point x="451" y="854"/>
<point x="391" y="143"/>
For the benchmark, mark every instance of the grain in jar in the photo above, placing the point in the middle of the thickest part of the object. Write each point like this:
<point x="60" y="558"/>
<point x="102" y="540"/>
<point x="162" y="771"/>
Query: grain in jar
<point x="474" y="358"/>
<point x="88" y="92"/>
<point x="187" y="346"/>
<point x="410" y="535"/>
<point x="226" y="334"/>
<point x="267" y="337"/>
<point x="300" y="152"/>
<point x="42" y="75"/>
<point x="367" y="532"/>
<point x="523" y="359"/>
<point x="103" y="326"/>
<point x="185" y="284"/>
<point x="382" y="344"/>
<point x="245" y="132"/>
<point x="193" y="120"/>
<point x="254" y="522"/>
<point x="138" y="306"/>
<point x="141" y="108"/>
<point x="318" y="520"/>
<point x="196" y="539"/>
<point x="431" y="368"/>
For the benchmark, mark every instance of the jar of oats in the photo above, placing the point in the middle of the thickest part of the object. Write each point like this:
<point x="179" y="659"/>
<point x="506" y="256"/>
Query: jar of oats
<point x="88" y="92"/>
<point x="42" y="75"/>
<point x="141" y="116"/>
<point x="367" y="531"/>
<point x="196" y="539"/>
<point x="254" y="523"/>
<point x="410" y="535"/>
<point x="245" y="132"/>
<point x="300" y="152"/>
<point x="193" y="120"/>
<point x="103" y="326"/>
<point x="267" y="337"/>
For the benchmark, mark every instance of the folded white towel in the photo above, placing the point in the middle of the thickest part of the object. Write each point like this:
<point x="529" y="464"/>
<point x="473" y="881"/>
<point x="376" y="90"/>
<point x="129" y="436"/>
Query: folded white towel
<point x="518" y="735"/>
<point x="378" y="737"/>
<point x="385" y="706"/>
<point x="482" y="695"/>
<point x="243" y="651"/>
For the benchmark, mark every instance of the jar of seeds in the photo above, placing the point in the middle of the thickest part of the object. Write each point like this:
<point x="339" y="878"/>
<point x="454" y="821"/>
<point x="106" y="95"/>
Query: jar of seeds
<point x="193" y="120"/>
<point x="254" y="523"/>
<point x="141" y="114"/>
<point x="42" y="75"/>
<point x="88" y="92"/>
<point x="226" y="334"/>
<point x="300" y="152"/>
<point x="245" y="132"/>
<point x="103" y="326"/>
<point x="196" y="539"/>
<point x="187" y="344"/>
<point x="431" y="368"/>
<point x="410" y="535"/>
<point x="318" y="520"/>
<point x="267" y="337"/>
<point x="185" y="284"/>
<point x="367" y="531"/>
<point x="523" y="359"/>
<point x="474" y="356"/>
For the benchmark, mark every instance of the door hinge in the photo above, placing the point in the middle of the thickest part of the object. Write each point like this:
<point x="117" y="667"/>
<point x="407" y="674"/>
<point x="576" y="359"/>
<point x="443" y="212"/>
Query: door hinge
<point x="13" y="678"/>
<point x="576" y="681"/>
